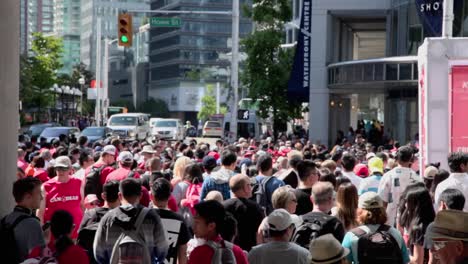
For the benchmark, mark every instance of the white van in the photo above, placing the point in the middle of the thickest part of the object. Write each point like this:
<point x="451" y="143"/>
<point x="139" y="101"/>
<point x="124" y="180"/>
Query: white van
<point x="167" y="128"/>
<point x="130" y="126"/>
<point x="251" y="127"/>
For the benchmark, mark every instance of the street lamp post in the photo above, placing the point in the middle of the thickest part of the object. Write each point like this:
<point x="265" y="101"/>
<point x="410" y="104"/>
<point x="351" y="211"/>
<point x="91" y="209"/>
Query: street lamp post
<point x="81" y="81"/>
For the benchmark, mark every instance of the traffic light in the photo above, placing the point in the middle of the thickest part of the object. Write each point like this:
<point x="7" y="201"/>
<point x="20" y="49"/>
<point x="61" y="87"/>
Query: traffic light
<point x="125" y="30"/>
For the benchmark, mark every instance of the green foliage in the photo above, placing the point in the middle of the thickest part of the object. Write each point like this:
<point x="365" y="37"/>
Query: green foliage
<point x="154" y="107"/>
<point x="38" y="72"/>
<point x="268" y="66"/>
<point x="208" y="104"/>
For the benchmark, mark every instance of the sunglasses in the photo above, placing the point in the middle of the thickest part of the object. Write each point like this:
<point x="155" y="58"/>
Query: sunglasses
<point x="438" y="245"/>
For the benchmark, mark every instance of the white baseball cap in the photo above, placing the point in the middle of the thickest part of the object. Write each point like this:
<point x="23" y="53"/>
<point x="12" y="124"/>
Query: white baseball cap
<point x="109" y="149"/>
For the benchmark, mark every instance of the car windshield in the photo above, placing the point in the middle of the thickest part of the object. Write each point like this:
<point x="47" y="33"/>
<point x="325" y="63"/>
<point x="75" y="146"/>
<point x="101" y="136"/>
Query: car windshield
<point x="213" y="124"/>
<point x="93" y="131"/>
<point x="54" y="132"/>
<point x="165" y="123"/>
<point x="37" y="129"/>
<point x="123" y="121"/>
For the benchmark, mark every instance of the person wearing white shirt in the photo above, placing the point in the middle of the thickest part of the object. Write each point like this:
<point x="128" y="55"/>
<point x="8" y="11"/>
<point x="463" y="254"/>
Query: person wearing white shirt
<point x="349" y="161"/>
<point x="394" y="182"/>
<point x="458" y="179"/>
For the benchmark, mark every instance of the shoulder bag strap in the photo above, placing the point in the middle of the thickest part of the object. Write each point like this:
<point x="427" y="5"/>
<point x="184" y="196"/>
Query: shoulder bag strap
<point x="359" y="232"/>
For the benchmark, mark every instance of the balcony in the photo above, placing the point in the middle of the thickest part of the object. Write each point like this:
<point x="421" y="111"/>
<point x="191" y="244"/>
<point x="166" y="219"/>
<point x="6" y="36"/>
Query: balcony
<point x="379" y="73"/>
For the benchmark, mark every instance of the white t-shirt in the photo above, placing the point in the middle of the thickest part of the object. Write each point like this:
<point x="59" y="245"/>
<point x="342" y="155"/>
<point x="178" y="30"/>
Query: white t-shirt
<point x="392" y="184"/>
<point x="355" y="180"/>
<point x="457" y="181"/>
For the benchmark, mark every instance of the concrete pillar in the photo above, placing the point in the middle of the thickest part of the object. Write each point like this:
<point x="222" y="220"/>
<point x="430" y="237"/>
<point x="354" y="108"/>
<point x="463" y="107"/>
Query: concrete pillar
<point x="319" y="94"/>
<point x="9" y="88"/>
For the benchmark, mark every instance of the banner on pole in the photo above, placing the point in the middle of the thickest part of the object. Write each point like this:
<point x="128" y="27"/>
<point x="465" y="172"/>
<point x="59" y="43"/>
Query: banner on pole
<point x="431" y="15"/>
<point x="298" y="85"/>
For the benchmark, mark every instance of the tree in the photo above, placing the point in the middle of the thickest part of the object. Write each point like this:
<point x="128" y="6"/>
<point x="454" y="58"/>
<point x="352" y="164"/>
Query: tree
<point x="208" y="104"/>
<point x="154" y="107"/>
<point x="38" y="72"/>
<point x="268" y="66"/>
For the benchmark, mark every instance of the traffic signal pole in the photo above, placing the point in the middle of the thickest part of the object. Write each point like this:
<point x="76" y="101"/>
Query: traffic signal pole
<point x="98" y="109"/>
<point x="235" y="53"/>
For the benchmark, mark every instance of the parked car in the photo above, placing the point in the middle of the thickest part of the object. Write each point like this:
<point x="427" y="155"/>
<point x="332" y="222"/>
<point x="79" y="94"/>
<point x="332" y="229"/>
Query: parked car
<point x="130" y="126"/>
<point x="96" y="133"/>
<point x="212" y="129"/>
<point x="36" y="129"/>
<point x="168" y="128"/>
<point x="51" y="133"/>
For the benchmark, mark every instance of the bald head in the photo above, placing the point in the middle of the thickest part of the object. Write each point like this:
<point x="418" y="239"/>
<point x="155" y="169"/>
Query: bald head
<point x="240" y="186"/>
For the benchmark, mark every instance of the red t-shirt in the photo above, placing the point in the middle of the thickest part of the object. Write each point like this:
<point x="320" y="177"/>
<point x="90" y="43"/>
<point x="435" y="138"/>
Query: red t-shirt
<point x="64" y="196"/>
<point x="104" y="172"/>
<point x="203" y="254"/>
<point x="121" y="174"/>
<point x="73" y="255"/>
<point x="41" y="174"/>
<point x="172" y="204"/>
<point x="20" y="163"/>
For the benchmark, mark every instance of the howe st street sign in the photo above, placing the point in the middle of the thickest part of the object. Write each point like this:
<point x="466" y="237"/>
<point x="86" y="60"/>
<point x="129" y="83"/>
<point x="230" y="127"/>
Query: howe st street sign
<point x="165" y="22"/>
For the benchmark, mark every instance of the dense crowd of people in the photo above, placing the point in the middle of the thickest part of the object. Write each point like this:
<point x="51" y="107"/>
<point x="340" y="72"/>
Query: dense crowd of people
<point x="265" y="201"/>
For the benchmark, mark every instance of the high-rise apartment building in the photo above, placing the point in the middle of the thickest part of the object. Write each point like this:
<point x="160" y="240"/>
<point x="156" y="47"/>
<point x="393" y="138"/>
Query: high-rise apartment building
<point x="35" y="16"/>
<point x="201" y="44"/>
<point x="67" y="17"/>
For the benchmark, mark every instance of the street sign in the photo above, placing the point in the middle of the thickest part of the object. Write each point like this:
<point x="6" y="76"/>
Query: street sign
<point x="165" y="22"/>
<point x="243" y="114"/>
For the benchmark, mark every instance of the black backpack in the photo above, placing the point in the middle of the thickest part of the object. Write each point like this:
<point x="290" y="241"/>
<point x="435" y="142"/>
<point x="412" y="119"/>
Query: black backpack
<point x="378" y="247"/>
<point x="307" y="231"/>
<point x="8" y="241"/>
<point x="93" y="182"/>
<point x="260" y="195"/>
<point x="86" y="235"/>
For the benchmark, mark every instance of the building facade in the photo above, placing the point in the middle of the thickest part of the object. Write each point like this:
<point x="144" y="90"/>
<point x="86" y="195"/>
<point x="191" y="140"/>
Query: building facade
<point x="107" y="11"/>
<point x="35" y="16"/>
<point x="67" y="22"/>
<point x="183" y="60"/>
<point x="364" y="65"/>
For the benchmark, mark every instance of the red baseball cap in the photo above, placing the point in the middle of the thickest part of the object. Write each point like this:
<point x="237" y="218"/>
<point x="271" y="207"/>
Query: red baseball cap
<point x="361" y="170"/>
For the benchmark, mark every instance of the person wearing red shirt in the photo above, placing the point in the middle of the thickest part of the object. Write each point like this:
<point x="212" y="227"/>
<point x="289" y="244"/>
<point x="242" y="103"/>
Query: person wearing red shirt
<point x="147" y="153"/>
<point x="107" y="159"/>
<point x="39" y="171"/>
<point x="124" y="171"/>
<point x="125" y="160"/>
<point x="66" y="252"/>
<point x="207" y="224"/>
<point x="21" y="163"/>
<point x="62" y="193"/>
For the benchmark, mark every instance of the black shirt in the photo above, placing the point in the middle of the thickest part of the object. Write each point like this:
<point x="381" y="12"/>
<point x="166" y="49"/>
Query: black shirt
<point x="291" y="179"/>
<point x="330" y="224"/>
<point x="177" y="233"/>
<point x="304" y="205"/>
<point x="249" y="216"/>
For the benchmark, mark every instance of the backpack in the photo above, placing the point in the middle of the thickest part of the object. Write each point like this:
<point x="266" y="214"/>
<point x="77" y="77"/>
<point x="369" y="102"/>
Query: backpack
<point x="8" y="241"/>
<point x="192" y="196"/>
<point x="223" y="252"/>
<point x="93" y="182"/>
<point x="86" y="236"/>
<point x="378" y="247"/>
<point x="307" y="231"/>
<point x="131" y="247"/>
<point x="261" y="197"/>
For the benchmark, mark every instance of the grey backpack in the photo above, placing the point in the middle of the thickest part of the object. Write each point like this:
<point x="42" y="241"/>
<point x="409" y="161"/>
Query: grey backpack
<point x="223" y="253"/>
<point x="130" y="247"/>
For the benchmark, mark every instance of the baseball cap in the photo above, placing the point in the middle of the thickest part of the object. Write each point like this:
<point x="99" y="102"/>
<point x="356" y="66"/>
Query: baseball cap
<point x="148" y="149"/>
<point x="125" y="156"/>
<point x="279" y="220"/>
<point x="209" y="162"/>
<point x="370" y="155"/>
<point x="109" y="149"/>
<point x="361" y="170"/>
<point x="326" y="250"/>
<point x="430" y="172"/>
<point x="375" y="165"/>
<point x="62" y="162"/>
<point x="370" y="200"/>
<point x="214" y="155"/>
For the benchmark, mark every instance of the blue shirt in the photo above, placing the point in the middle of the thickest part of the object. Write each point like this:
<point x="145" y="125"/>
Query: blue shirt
<point x="370" y="184"/>
<point x="271" y="185"/>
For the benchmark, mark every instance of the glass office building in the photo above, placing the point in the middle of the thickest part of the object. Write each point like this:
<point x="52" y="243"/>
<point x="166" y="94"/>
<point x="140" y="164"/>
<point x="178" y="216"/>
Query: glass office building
<point x="184" y="59"/>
